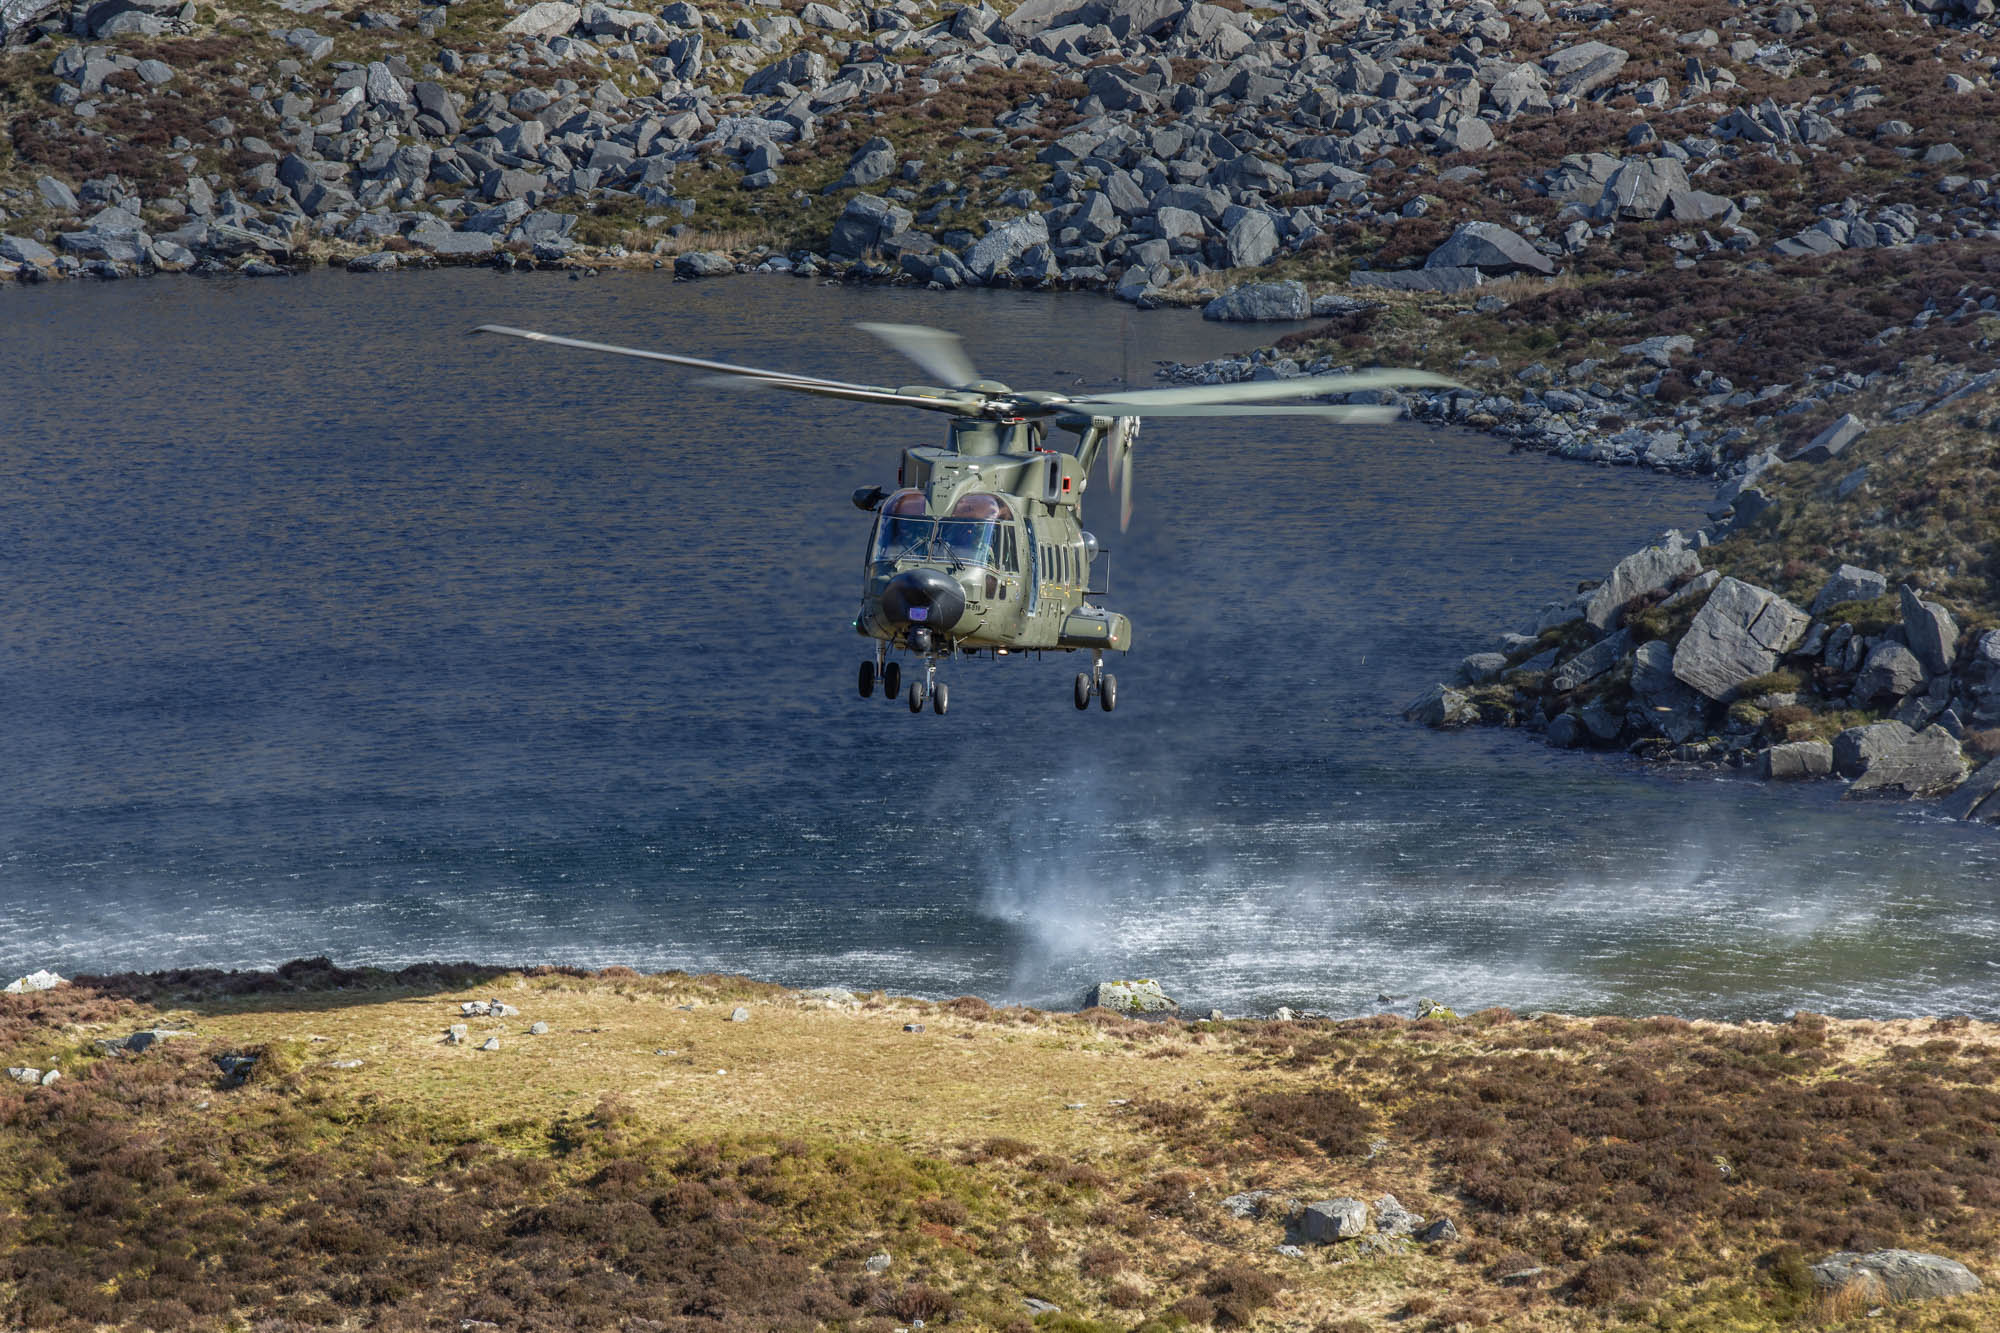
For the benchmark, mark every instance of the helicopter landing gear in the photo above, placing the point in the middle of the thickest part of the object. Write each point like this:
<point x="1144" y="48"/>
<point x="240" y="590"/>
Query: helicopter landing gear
<point x="929" y="688"/>
<point x="892" y="680"/>
<point x="867" y="683"/>
<point x="1095" y="681"/>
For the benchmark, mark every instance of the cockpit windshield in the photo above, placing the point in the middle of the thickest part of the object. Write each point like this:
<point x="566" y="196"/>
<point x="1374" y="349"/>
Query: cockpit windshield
<point x="953" y="540"/>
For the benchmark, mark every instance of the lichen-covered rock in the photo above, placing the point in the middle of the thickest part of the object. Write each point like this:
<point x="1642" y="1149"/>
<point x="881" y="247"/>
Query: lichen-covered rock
<point x="1740" y="632"/>
<point x="1933" y="634"/>
<point x="1893" y="1277"/>
<point x="1926" y="763"/>
<point x="1850" y="583"/>
<point x="1260" y="301"/>
<point x="1442" y="706"/>
<point x="1890" y="672"/>
<point x="1332" y="1220"/>
<point x="1637" y="574"/>
<point x="1798" y="759"/>
<point x="1130" y="997"/>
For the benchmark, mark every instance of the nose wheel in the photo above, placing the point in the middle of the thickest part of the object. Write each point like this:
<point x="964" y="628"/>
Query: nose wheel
<point x="1096" y="681"/>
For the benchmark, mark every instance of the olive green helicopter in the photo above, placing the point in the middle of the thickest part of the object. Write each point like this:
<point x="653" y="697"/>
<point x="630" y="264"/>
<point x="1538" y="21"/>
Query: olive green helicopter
<point x="980" y="546"/>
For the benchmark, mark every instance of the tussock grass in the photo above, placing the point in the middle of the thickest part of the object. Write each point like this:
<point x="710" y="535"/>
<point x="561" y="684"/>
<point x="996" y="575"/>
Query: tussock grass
<point x="1662" y="1174"/>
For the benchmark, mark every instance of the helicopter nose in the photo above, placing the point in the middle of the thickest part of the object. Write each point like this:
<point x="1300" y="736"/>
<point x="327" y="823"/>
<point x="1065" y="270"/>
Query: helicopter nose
<point x="923" y="597"/>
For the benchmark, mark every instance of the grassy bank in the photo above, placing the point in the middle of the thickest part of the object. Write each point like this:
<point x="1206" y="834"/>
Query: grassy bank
<point x="650" y="1163"/>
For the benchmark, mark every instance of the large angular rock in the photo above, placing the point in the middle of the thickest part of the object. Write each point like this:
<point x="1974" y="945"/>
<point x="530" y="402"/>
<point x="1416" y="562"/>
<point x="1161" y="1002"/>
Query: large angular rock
<point x="802" y="69"/>
<point x="1892" y="1277"/>
<point x="1591" y="663"/>
<point x="1490" y="248"/>
<point x="1640" y="188"/>
<point x="1740" y="632"/>
<point x="1258" y="301"/>
<point x="23" y="250"/>
<point x="1978" y="797"/>
<point x="994" y="255"/>
<point x="1442" y="706"/>
<point x="550" y="18"/>
<point x="1636" y="575"/>
<point x="1331" y="1220"/>
<point x="1891" y="671"/>
<point x="864" y="223"/>
<point x="1668" y="707"/>
<point x="1926" y="763"/>
<point x="1850" y="583"/>
<point x="1130" y="997"/>
<point x="1584" y="68"/>
<point x="1252" y="240"/>
<point x="1932" y="633"/>
<point x="16" y="16"/>
<point x="1798" y="759"/>
<point x="871" y="162"/>
<point x="1832" y="442"/>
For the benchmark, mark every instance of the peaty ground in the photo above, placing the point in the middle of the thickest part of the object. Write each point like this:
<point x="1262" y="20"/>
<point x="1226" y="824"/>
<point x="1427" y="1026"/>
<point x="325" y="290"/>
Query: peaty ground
<point x="650" y="1163"/>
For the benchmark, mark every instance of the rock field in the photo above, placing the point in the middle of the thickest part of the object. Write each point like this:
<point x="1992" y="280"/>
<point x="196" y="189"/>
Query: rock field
<point x="1759" y="242"/>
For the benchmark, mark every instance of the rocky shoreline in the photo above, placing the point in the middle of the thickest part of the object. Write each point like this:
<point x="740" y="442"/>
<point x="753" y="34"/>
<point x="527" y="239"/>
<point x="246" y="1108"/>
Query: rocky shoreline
<point x="1762" y="246"/>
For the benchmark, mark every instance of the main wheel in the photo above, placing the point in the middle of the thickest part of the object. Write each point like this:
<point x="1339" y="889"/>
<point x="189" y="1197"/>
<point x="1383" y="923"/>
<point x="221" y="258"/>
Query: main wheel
<point x="1107" y="693"/>
<point x="941" y="699"/>
<point x="892" y="680"/>
<point x="867" y="684"/>
<point x="916" y="696"/>
<point x="1083" y="689"/>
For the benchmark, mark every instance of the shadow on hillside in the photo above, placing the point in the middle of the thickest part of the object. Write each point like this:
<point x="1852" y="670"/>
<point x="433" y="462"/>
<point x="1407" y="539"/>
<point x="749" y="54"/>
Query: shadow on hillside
<point x="302" y="985"/>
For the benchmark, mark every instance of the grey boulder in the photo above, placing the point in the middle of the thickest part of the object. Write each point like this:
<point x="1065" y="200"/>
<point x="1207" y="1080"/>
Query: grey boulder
<point x="1637" y="574"/>
<point x="1332" y="1220"/>
<point x="1891" y="671"/>
<point x="1832" y="442"/>
<point x="703" y="264"/>
<point x="1130" y="997"/>
<point x="1933" y="634"/>
<point x="1850" y="583"/>
<point x="1887" y="758"/>
<point x="1442" y="706"/>
<point x="1798" y="759"/>
<point x="1490" y="248"/>
<point x="1740" y="632"/>
<point x="1254" y="302"/>
<point x="1892" y="1277"/>
<point x="1640" y="188"/>
<point x="994" y="255"/>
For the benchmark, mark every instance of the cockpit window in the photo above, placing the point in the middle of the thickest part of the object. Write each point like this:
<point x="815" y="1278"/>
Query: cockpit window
<point x="981" y="505"/>
<point x="904" y="503"/>
<point x="950" y="541"/>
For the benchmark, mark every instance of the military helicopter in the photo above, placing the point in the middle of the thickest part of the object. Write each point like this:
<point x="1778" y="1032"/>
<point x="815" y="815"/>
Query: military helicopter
<point x="980" y="546"/>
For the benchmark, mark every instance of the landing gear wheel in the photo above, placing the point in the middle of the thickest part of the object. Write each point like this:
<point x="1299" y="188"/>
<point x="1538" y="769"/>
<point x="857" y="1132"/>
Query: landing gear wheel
<point x="1083" y="689"/>
<point x="892" y="680"/>
<point x="941" y="699"/>
<point x="916" y="696"/>
<point x="867" y="684"/>
<point x="1107" y="693"/>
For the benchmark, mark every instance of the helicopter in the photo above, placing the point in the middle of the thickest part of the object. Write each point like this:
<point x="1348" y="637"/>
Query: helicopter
<point x="980" y="545"/>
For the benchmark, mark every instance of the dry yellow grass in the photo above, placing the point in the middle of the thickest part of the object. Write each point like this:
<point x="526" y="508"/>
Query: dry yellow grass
<point x="1083" y="1158"/>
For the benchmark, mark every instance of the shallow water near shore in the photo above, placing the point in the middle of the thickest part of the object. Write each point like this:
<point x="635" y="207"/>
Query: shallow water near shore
<point x="331" y="630"/>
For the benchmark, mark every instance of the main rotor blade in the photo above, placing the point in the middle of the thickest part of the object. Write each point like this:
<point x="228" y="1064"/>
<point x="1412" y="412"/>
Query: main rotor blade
<point x="958" y="404"/>
<point x="1253" y="391"/>
<point x="938" y="353"/>
<point x="1347" y="414"/>
<point x="696" y="363"/>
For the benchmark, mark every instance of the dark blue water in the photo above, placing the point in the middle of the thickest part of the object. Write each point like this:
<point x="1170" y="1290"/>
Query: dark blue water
<point x="327" y="629"/>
